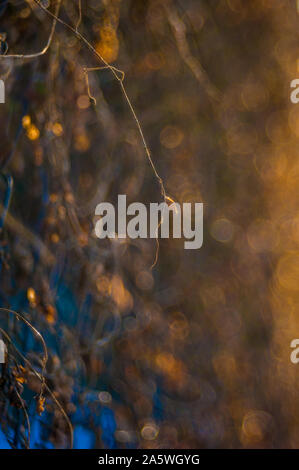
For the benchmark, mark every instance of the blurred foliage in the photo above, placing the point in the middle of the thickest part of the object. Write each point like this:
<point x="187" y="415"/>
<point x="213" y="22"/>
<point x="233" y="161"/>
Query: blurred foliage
<point x="195" y="352"/>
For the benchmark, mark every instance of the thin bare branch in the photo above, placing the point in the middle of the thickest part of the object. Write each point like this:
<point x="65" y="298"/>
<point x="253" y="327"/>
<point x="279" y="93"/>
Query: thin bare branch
<point x="80" y="14"/>
<point x="179" y="32"/>
<point x="45" y="49"/>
